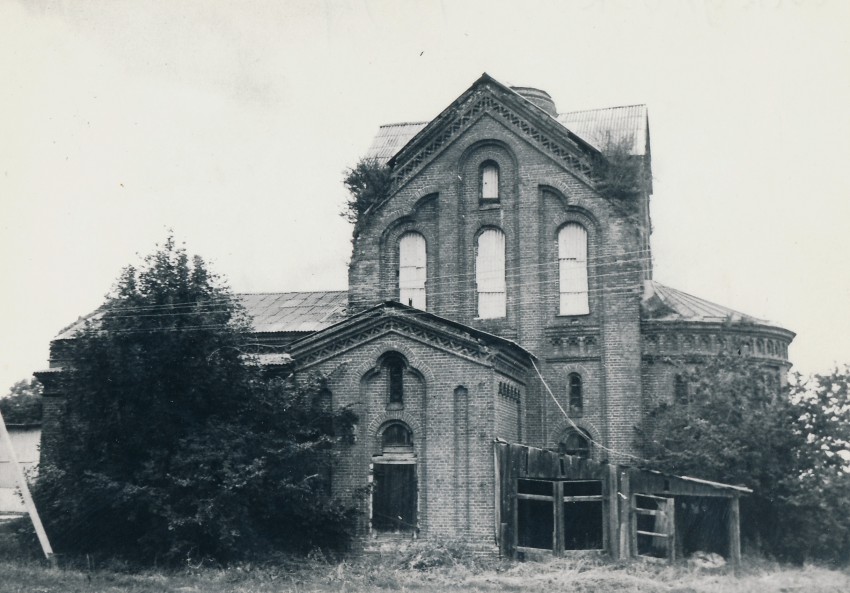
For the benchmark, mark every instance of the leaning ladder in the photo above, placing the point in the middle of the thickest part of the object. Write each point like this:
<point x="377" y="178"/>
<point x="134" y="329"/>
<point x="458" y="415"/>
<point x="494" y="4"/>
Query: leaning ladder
<point x="25" y="493"/>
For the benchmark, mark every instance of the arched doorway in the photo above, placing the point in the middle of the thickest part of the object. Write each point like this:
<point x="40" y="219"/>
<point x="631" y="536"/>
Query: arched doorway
<point x="394" y="487"/>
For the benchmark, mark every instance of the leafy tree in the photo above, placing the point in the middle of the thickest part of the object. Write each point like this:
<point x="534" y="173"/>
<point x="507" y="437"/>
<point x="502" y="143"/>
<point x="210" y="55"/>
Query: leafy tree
<point x="368" y="183"/>
<point x="734" y="424"/>
<point x="822" y="403"/>
<point x="23" y="403"/>
<point x="173" y="444"/>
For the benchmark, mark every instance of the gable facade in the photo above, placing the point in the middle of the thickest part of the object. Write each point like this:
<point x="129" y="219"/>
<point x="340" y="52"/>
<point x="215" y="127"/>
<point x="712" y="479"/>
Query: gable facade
<point x="497" y="296"/>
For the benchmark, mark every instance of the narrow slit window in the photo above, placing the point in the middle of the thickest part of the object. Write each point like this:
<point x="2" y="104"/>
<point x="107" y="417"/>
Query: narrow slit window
<point x="490" y="274"/>
<point x="572" y="259"/>
<point x="490" y="181"/>
<point x="412" y="270"/>
<point x="395" y="378"/>
<point x="576" y="396"/>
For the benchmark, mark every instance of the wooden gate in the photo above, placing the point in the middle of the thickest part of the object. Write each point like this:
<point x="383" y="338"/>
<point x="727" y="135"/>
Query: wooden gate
<point x="653" y="526"/>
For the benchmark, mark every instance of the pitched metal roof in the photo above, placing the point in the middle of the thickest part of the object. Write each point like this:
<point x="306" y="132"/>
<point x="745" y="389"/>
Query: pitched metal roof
<point x="668" y="304"/>
<point x="599" y="127"/>
<point x="595" y="126"/>
<point x="294" y="311"/>
<point x="271" y="312"/>
<point x="391" y="138"/>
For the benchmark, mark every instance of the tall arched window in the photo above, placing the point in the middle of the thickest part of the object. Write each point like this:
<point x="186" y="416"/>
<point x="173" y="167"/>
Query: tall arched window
<point x="412" y="270"/>
<point x="490" y="181"/>
<point x="490" y="274"/>
<point x="576" y="396"/>
<point x="572" y="258"/>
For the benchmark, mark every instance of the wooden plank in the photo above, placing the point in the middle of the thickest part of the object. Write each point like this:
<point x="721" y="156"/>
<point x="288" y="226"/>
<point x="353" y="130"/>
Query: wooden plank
<point x="497" y="495"/>
<point x="633" y="531"/>
<point x="593" y="498"/>
<point x="558" y="535"/>
<point x="641" y="511"/>
<point x="670" y="509"/>
<point x="624" y="501"/>
<point x="652" y="533"/>
<point x="25" y="494"/>
<point x="611" y="538"/>
<point x="661" y="498"/>
<point x="544" y="497"/>
<point x="735" y="531"/>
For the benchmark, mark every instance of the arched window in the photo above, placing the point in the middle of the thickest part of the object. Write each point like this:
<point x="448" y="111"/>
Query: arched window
<point x="489" y="182"/>
<point x="394" y="365"/>
<point x="490" y="274"/>
<point x="577" y="443"/>
<point x="576" y="396"/>
<point x="572" y="258"/>
<point x="412" y="271"/>
<point x="397" y="438"/>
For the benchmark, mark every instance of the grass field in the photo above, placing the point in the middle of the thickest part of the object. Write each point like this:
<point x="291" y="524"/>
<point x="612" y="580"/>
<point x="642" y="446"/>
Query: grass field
<point x="395" y="573"/>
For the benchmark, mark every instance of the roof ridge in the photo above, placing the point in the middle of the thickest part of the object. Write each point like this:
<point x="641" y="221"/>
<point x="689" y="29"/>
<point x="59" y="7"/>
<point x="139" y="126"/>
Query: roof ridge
<point x="602" y="108"/>
<point x="261" y="292"/>
<point x="403" y="123"/>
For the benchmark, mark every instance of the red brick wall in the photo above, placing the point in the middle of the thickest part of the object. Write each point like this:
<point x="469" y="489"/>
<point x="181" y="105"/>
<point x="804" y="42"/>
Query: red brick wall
<point x="538" y="196"/>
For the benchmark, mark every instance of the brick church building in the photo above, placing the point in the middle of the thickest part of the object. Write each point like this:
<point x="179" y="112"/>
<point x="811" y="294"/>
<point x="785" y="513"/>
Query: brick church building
<point x="498" y="298"/>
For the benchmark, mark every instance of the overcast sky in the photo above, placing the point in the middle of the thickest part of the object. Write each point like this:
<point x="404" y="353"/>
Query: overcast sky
<point x="232" y="123"/>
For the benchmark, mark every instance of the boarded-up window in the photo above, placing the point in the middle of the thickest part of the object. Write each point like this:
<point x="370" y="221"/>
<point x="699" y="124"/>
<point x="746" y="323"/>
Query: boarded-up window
<point x="572" y="258"/>
<point x="490" y="274"/>
<point x="412" y="270"/>
<point x="490" y="181"/>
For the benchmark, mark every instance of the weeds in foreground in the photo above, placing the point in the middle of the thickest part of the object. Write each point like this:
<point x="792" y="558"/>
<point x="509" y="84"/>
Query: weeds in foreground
<point x="424" y="568"/>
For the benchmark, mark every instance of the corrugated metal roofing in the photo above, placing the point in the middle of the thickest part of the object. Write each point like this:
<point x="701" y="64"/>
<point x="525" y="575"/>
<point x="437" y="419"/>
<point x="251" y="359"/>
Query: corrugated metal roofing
<point x="295" y="311"/>
<point x="675" y="305"/>
<point x="273" y="311"/>
<point x="599" y="126"/>
<point x="391" y="138"/>
<point x="595" y="126"/>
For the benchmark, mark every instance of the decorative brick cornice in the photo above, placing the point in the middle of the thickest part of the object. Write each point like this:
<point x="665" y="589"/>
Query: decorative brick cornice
<point x="582" y="342"/>
<point x="481" y="101"/>
<point x="673" y="338"/>
<point x="322" y="350"/>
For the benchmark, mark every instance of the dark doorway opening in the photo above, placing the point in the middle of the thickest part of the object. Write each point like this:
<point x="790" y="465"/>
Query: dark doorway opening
<point x="702" y="525"/>
<point x="394" y="497"/>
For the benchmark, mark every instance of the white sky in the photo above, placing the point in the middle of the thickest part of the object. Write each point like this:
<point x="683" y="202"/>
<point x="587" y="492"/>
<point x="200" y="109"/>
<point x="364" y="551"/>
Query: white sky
<point x="232" y="123"/>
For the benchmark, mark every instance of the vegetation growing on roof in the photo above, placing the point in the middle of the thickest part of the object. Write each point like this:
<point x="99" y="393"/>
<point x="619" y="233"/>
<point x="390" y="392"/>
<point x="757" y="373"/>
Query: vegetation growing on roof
<point x="368" y="183"/>
<point x="620" y="175"/>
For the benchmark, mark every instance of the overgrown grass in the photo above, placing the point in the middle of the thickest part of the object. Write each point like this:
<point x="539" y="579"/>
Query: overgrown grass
<point x="442" y="570"/>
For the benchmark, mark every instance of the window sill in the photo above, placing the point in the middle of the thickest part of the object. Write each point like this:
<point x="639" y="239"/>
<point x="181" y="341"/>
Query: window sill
<point x="395" y="406"/>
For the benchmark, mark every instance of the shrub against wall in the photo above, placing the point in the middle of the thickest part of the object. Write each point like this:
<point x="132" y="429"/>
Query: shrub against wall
<point x="172" y="444"/>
